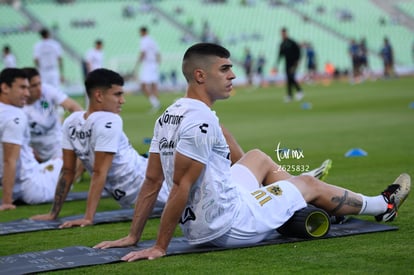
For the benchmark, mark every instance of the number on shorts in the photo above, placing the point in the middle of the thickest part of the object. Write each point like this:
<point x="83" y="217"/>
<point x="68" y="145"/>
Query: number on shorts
<point x="261" y="196"/>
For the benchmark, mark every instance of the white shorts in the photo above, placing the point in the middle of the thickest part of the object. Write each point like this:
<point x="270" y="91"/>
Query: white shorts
<point x="41" y="186"/>
<point x="244" y="177"/>
<point x="46" y="150"/>
<point x="149" y="73"/>
<point x="263" y="210"/>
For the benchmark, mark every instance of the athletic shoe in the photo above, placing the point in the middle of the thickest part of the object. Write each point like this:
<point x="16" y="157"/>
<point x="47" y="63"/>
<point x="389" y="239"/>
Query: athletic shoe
<point x="299" y="95"/>
<point x="322" y="171"/>
<point x="394" y="196"/>
<point x="288" y="99"/>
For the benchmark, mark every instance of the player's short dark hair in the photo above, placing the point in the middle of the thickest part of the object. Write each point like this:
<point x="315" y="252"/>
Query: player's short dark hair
<point x="143" y="29"/>
<point x="98" y="42"/>
<point x="102" y="78"/>
<point x="206" y="49"/>
<point x="44" y="33"/>
<point x="31" y="72"/>
<point x="198" y="54"/>
<point x="9" y="75"/>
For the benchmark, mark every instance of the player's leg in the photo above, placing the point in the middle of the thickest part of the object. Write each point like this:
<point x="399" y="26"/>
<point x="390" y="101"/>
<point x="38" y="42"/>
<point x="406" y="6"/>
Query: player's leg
<point x="266" y="171"/>
<point x="340" y="201"/>
<point x="41" y="187"/>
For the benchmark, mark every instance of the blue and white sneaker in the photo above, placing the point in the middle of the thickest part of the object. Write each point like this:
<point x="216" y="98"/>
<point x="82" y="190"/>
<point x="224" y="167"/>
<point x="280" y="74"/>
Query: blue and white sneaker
<point x="394" y="196"/>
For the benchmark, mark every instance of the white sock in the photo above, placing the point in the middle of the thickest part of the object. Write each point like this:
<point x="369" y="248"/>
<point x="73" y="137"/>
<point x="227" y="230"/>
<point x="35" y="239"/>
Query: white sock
<point x="154" y="101"/>
<point x="373" y="205"/>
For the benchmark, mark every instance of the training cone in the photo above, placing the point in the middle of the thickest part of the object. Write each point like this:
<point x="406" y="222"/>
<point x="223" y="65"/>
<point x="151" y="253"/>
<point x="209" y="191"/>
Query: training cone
<point x="146" y="140"/>
<point x="356" y="152"/>
<point x="306" y="106"/>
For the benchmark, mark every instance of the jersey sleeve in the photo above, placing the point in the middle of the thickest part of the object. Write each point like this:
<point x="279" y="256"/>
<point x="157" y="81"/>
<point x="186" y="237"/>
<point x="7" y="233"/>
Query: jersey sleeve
<point x="108" y="133"/>
<point x="66" y="144"/>
<point x="56" y="95"/>
<point x="154" y="146"/>
<point x="14" y="130"/>
<point x="197" y="140"/>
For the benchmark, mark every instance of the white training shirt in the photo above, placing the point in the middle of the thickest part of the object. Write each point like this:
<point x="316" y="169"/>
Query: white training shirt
<point x="9" y="61"/>
<point x="44" y="122"/>
<point x="150" y="49"/>
<point x="102" y="132"/>
<point x="14" y="129"/>
<point x="95" y="58"/>
<point x="191" y="128"/>
<point x="47" y="52"/>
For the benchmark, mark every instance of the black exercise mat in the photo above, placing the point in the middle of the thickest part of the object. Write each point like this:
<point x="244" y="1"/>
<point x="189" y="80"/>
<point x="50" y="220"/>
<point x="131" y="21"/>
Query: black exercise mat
<point x="80" y="196"/>
<point x="77" y="256"/>
<point x="72" y="196"/>
<point x="27" y="225"/>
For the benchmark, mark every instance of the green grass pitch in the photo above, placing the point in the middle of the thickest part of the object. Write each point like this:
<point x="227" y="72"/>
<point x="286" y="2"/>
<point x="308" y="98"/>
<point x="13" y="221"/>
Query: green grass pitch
<point x="375" y="116"/>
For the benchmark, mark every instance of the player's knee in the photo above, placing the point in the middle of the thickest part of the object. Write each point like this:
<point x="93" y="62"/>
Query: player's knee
<point x="311" y="181"/>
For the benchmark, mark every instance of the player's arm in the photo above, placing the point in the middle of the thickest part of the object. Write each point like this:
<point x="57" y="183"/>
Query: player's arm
<point x="102" y="164"/>
<point x="186" y="172"/>
<point x="236" y="152"/>
<point x="36" y="62"/>
<point x="158" y="58"/>
<point x="66" y="179"/>
<point x="144" y="205"/>
<point x="11" y="153"/>
<point x="139" y="60"/>
<point x="71" y="105"/>
<point x="60" y="60"/>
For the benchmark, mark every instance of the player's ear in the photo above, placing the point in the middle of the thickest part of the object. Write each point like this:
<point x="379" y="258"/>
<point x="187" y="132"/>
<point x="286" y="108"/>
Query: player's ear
<point x="98" y="94"/>
<point x="4" y="88"/>
<point x="199" y="76"/>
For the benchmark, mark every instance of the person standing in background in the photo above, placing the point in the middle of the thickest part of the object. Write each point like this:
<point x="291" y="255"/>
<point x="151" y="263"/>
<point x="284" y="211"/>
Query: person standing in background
<point x="9" y="60"/>
<point x="148" y="60"/>
<point x="260" y="67"/>
<point x="353" y="51"/>
<point x="248" y="65"/>
<point x="95" y="57"/>
<point x="387" y="55"/>
<point x="290" y="51"/>
<point x="310" y="62"/>
<point x="48" y="59"/>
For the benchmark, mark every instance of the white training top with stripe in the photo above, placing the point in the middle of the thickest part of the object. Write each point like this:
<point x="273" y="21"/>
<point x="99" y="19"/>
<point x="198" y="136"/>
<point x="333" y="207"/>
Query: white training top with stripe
<point x="44" y="122"/>
<point x="189" y="127"/>
<point x="102" y="132"/>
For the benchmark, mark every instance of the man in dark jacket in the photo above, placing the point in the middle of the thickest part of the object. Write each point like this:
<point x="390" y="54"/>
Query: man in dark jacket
<point x="290" y="50"/>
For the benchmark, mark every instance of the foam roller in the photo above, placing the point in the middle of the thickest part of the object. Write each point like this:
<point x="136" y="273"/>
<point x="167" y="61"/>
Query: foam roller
<point x="309" y="222"/>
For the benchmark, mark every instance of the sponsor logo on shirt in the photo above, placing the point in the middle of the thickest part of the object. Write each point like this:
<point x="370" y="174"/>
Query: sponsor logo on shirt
<point x="167" y="118"/>
<point x="73" y="134"/>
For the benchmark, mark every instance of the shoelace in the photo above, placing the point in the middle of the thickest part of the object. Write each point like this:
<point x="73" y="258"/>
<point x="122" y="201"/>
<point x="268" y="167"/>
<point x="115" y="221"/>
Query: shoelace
<point x="389" y="191"/>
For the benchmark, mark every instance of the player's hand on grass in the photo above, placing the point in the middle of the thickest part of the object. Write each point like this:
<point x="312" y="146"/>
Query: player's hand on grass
<point x="7" y="206"/>
<point x="149" y="253"/>
<point x="43" y="217"/>
<point x="123" y="242"/>
<point x="74" y="223"/>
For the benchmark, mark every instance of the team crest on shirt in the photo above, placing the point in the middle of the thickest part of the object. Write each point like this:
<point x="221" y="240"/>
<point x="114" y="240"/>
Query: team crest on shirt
<point x="275" y="190"/>
<point x="44" y="104"/>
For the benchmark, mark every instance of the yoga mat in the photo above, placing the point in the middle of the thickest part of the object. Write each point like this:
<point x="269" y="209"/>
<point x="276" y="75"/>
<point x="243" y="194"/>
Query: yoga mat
<point x="78" y="256"/>
<point x="72" y="196"/>
<point x="27" y="225"/>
